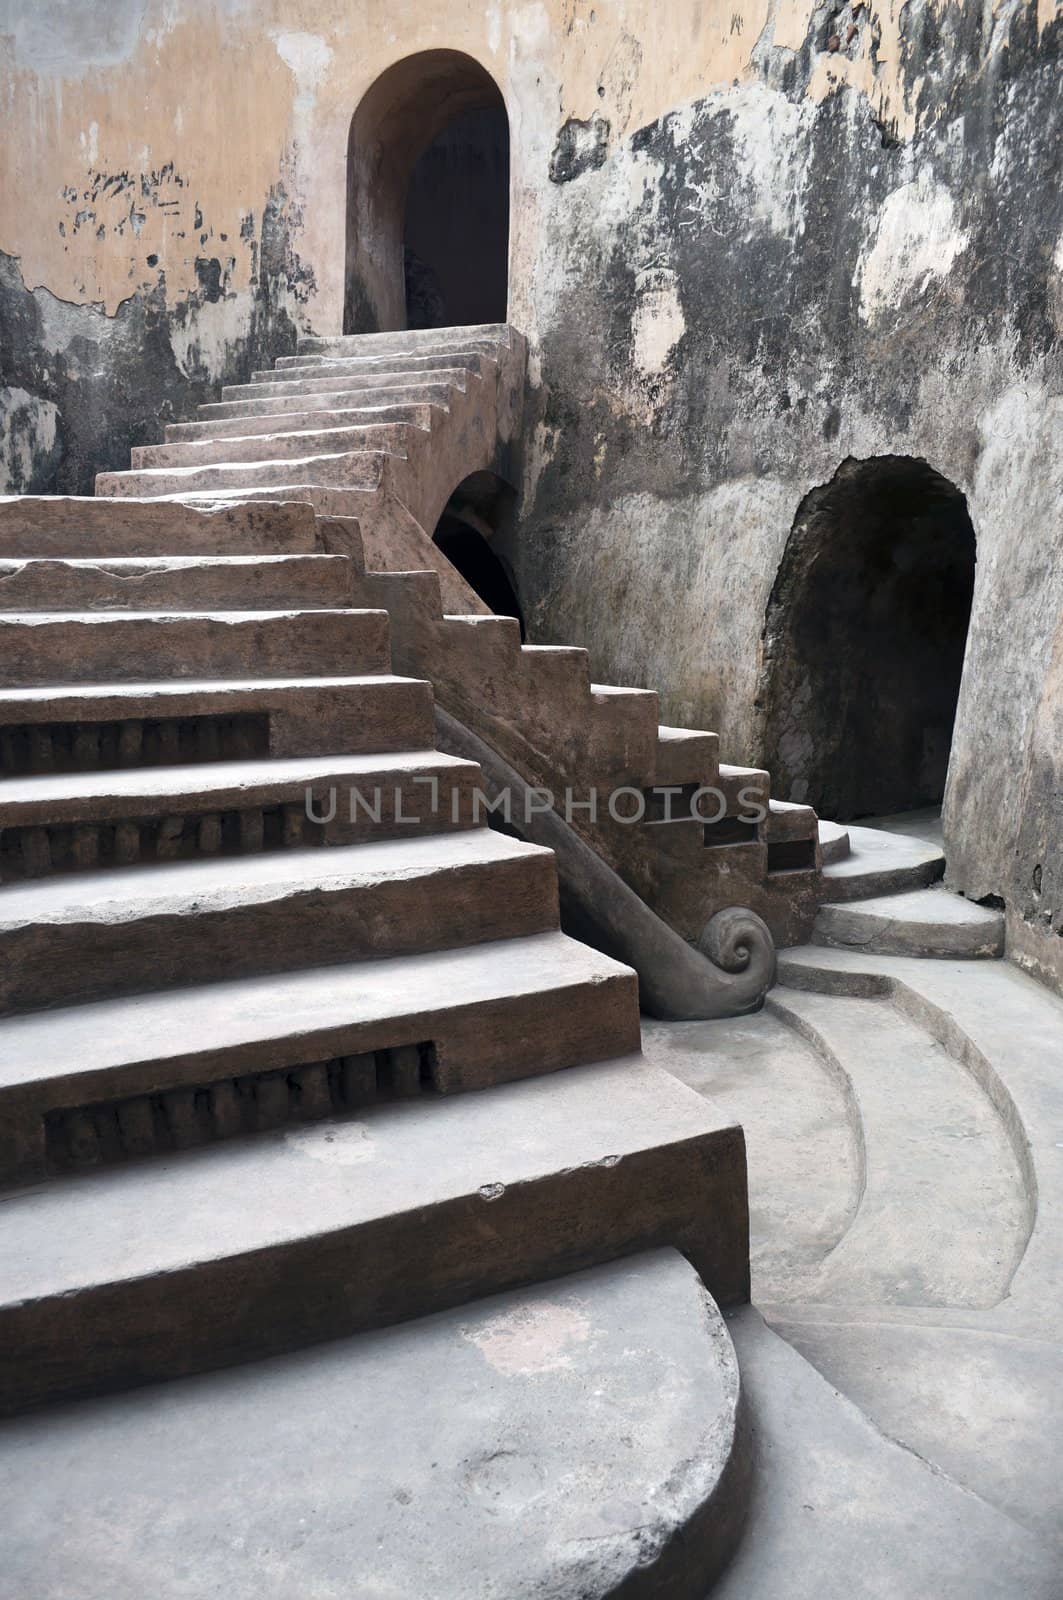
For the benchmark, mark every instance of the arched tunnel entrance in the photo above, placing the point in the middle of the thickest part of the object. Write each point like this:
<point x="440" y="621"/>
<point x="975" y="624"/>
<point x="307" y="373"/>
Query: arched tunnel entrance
<point x="480" y="507"/>
<point x="428" y="198"/>
<point x="864" y="640"/>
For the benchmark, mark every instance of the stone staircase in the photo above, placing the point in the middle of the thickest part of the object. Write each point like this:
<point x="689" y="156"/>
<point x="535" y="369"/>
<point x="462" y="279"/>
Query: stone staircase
<point x="233" y="1039"/>
<point x="376" y="432"/>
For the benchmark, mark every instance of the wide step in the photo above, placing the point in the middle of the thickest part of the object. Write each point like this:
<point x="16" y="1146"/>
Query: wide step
<point x="922" y="922"/>
<point x="349" y="469"/>
<point x="255" y="1247"/>
<point x="58" y="525"/>
<point x="368" y="417"/>
<point x="278" y="445"/>
<point x="145" y="1075"/>
<point x="176" y="583"/>
<point x="87" y="936"/>
<point x="943" y="1219"/>
<point x="98" y="726"/>
<point x="407" y="341"/>
<point x="283" y="383"/>
<point x="76" y="821"/>
<point x="631" y="1360"/>
<point x="80" y="647"/>
<point x="881" y="863"/>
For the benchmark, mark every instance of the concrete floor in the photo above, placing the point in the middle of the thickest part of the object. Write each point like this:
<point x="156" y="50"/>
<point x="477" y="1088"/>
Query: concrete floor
<point x="907" y="1193"/>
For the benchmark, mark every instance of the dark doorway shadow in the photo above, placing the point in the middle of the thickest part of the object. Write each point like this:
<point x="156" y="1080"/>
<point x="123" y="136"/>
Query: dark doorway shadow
<point x="864" y="640"/>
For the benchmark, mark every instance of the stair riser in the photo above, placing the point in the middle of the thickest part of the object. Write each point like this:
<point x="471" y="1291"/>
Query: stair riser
<point x="355" y="382"/>
<point x="352" y="470"/>
<point x="419" y="341"/>
<point x="105" y="954"/>
<point x="135" y="647"/>
<point x="473" y="1046"/>
<point x="891" y="880"/>
<point x="220" y="1313"/>
<point x="99" y="833"/>
<point x="295" y="421"/>
<point x="306" y="581"/>
<point x="94" y="733"/>
<point x="82" y="529"/>
<point x="338" y="398"/>
<point x="277" y="446"/>
<point x="472" y="354"/>
<point x="849" y="928"/>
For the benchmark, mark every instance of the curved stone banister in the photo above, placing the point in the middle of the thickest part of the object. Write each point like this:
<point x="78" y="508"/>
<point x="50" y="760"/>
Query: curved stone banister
<point x="729" y="975"/>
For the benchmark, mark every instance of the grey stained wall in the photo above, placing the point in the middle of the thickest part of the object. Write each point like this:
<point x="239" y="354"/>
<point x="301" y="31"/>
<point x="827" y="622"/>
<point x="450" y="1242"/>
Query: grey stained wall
<point x="756" y="287"/>
<point x="748" y="243"/>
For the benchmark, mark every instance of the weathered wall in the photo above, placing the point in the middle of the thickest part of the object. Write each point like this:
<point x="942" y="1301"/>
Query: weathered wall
<point x="748" y="240"/>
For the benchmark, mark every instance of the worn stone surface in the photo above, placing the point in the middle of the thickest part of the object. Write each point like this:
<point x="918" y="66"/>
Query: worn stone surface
<point x="537" y="1005"/>
<point x="972" y="1385"/>
<point x="94" y="934"/>
<point x="857" y="1515"/>
<point x="175" y="583"/>
<point x="923" y="922"/>
<point x="581" y="1435"/>
<point x="225" y="1255"/>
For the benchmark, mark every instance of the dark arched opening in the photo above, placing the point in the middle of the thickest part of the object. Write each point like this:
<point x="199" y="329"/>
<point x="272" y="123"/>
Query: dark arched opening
<point x="428" y="198"/>
<point x="480" y="507"/>
<point x="864" y="640"/>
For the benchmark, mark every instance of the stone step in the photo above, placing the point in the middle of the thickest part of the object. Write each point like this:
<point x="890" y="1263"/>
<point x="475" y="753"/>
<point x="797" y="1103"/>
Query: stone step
<point x="95" y="1084"/>
<point x="65" y="940"/>
<point x="277" y="446"/>
<point x="352" y="469"/>
<point x="72" y="822"/>
<point x="421" y="392"/>
<point x="687" y="755"/>
<point x="59" y="525"/>
<point x="469" y="357"/>
<point x="622" y="732"/>
<point x="280" y="384"/>
<point x="452" y="353"/>
<point x="881" y="863"/>
<point x="175" y="583"/>
<point x="258" y="1246"/>
<point x="944" y="1215"/>
<point x="1006" y="1030"/>
<point x="840" y="1509"/>
<point x="89" y="1084"/>
<point x="919" y="922"/>
<point x="406" y="341"/>
<point x="369" y="417"/>
<point x="56" y="647"/>
<point x="480" y="1472"/>
<point x="833" y="842"/>
<point x="95" y="726"/>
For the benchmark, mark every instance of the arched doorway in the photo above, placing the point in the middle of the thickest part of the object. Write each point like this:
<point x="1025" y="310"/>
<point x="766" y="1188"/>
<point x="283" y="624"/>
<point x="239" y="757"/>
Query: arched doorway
<point x="480" y="507"/>
<point x="428" y="198"/>
<point x="864" y="640"/>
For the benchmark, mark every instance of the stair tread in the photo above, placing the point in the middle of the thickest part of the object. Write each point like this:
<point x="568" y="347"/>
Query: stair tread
<point x="374" y="456"/>
<point x="245" y="1196"/>
<point x="178" y="1025"/>
<point x="205" y="778"/>
<point x="40" y="619"/>
<point x="183" y="688"/>
<point x="934" y="905"/>
<point x="943" y="1217"/>
<point x="881" y="862"/>
<point x="171" y="563"/>
<point x="126" y="894"/>
<point x="631" y="1351"/>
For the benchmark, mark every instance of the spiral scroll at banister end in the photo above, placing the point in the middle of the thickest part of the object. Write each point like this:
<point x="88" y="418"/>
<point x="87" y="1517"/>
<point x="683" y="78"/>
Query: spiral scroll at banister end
<point x="737" y="941"/>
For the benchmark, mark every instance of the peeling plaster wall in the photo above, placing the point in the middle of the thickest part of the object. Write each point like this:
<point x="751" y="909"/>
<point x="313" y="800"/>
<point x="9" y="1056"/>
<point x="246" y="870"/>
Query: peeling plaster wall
<point x="748" y="240"/>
